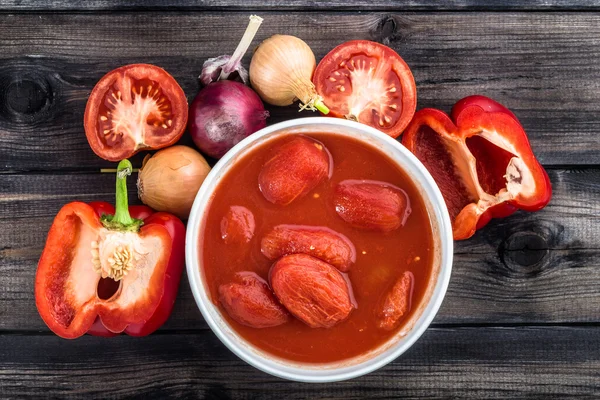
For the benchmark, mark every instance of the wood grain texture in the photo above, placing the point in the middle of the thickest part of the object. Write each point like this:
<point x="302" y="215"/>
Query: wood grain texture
<point x="494" y="363"/>
<point x="544" y="66"/>
<point x="310" y="5"/>
<point x="539" y="267"/>
<point x="529" y="269"/>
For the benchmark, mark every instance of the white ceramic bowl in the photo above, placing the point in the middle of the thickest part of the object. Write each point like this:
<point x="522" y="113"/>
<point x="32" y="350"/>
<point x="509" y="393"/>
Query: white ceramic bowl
<point x="346" y="369"/>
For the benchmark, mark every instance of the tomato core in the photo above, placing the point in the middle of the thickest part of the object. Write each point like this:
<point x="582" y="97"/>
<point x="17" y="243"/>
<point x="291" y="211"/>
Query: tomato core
<point x="370" y="97"/>
<point x="132" y="108"/>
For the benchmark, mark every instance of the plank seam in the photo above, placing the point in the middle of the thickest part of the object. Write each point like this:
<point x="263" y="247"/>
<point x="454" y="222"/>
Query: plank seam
<point x="347" y="10"/>
<point x="526" y="325"/>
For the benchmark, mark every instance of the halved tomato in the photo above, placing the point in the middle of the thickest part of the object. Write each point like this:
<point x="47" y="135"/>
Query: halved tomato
<point x="132" y="108"/>
<point x="367" y="82"/>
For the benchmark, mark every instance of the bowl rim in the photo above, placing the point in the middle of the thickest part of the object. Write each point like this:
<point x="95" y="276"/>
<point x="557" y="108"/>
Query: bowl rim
<point x="312" y="373"/>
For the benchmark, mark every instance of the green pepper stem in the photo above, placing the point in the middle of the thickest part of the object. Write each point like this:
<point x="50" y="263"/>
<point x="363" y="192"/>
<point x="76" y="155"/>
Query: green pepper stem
<point x="122" y="221"/>
<point x="121" y="202"/>
<point x="113" y="170"/>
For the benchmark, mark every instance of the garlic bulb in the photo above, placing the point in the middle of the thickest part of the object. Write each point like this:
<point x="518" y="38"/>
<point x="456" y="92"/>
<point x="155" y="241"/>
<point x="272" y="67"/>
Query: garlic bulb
<point x="220" y="68"/>
<point x="281" y="71"/>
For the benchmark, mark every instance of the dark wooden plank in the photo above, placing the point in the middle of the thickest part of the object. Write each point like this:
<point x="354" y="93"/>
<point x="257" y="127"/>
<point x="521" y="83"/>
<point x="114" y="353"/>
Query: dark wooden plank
<point x="479" y="363"/>
<point x="542" y="65"/>
<point x="311" y="5"/>
<point x="539" y="267"/>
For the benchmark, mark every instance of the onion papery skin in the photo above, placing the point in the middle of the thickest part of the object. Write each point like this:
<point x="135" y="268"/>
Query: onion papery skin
<point x="224" y="113"/>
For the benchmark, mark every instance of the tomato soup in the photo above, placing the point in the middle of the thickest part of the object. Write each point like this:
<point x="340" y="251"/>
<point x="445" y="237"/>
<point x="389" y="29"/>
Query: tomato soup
<point x="381" y="257"/>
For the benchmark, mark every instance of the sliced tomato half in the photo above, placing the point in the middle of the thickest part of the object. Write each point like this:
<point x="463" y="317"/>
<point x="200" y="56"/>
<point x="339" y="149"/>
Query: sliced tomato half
<point x="132" y="108"/>
<point x="367" y="82"/>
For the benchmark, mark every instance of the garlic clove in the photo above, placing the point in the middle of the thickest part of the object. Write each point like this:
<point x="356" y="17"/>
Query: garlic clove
<point x="213" y="67"/>
<point x="230" y="67"/>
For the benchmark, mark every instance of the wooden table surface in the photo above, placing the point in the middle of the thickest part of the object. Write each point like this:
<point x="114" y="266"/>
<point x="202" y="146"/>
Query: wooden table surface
<point x="522" y="313"/>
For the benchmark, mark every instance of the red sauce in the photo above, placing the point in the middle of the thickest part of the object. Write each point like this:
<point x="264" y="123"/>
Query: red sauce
<point x="381" y="258"/>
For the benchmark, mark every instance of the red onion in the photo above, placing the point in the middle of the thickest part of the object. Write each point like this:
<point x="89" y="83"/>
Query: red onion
<point x="224" y="113"/>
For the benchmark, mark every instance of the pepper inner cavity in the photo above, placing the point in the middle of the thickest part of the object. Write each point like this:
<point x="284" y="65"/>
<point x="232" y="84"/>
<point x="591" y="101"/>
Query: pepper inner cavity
<point x="492" y="164"/>
<point x="107" y="288"/>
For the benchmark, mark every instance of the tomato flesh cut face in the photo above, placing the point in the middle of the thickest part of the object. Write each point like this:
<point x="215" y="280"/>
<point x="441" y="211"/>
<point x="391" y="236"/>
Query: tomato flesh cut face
<point x="367" y="97"/>
<point x="367" y="82"/>
<point x="133" y="108"/>
<point x="140" y="109"/>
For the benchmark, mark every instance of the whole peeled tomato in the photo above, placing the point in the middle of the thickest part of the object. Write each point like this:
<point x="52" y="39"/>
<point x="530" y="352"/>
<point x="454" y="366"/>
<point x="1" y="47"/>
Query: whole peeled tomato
<point x="318" y="241"/>
<point x="237" y="226"/>
<point x="312" y="290"/>
<point x="224" y="113"/>
<point x="249" y="301"/>
<point x="396" y="303"/>
<point x="371" y="205"/>
<point x="294" y="169"/>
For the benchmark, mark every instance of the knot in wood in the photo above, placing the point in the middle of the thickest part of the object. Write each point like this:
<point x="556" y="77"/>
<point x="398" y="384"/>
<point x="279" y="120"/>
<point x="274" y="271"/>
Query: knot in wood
<point x="25" y="96"/>
<point x="524" y="253"/>
<point x="387" y="30"/>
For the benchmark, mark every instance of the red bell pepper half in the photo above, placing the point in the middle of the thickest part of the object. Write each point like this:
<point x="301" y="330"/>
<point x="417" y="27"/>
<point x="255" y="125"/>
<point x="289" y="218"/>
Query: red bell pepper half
<point x="481" y="160"/>
<point x="106" y="271"/>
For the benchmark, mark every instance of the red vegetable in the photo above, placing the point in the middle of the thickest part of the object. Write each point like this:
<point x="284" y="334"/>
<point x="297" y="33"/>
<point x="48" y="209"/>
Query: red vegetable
<point x="132" y="108"/>
<point x="396" y="303"/>
<point x="367" y="82"/>
<point x="294" y="169"/>
<point x="371" y="205"/>
<point x="318" y="241"/>
<point x="312" y="290"/>
<point x="104" y="272"/>
<point x="250" y="301"/>
<point x="237" y="225"/>
<point x="481" y="160"/>
<point x="224" y="113"/>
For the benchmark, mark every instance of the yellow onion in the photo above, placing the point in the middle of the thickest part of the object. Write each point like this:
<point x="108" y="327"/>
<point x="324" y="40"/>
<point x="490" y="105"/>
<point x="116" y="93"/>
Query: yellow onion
<point x="169" y="180"/>
<point x="281" y="70"/>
